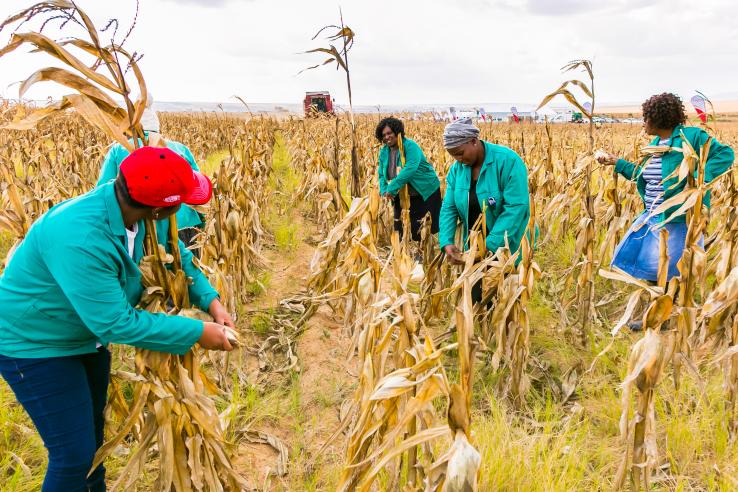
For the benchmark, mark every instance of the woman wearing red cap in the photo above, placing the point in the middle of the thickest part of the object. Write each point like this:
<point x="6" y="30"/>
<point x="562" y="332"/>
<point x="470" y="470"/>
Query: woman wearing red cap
<point x="66" y="295"/>
<point x="189" y="220"/>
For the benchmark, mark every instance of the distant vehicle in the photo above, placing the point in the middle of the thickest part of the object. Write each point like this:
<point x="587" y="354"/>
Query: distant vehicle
<point x="576" y="118"/>
<point x="316" y="103"/>
<point x="604" y="119"/>
<point x="632" y="121"/>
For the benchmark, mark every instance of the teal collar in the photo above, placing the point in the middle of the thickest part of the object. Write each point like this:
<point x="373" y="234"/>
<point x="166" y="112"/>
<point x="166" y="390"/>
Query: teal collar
<point x="676" y="133"/>
<point x="115" y="216"/>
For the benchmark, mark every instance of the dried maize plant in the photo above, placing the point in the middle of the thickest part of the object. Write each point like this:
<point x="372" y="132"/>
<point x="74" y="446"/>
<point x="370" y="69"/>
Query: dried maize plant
<point x="646" y="363"/>
<point x="169" y="396"/>
<point x="90" y="83"/>
<point x="462" y="459"/>
<point x="345" y="268"/>
<point x="319" y="162"/>
<point x="585" y="243"/>
<point x="693" y="261"/>
<point x="428" y="244"/>
<point x="232" y="240"/>
<point x="329" y="205"/>
<point x="404" y="197"/>
<point x="41" y="168"/>
<point x="510" y="318"/>
<point x="720" y="307"/>
<point x="617" y="215"/>
<point x="63" y="149"/>
<point x="208" y="133"/>
<point x="436" y="276"/>
<point x="340" y="58"/>
<point x="170" y="411"/>
<point x="49" y="170"/>
<point x="324" y="275"/>
<point x="392" y="412"/>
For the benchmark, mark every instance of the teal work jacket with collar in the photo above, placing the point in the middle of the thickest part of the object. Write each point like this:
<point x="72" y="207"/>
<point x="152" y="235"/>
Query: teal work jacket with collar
<point x="502" y="191"/>
<point x="71" y="283"/>
<point x="417" y="171"/>
<point x="186" y="216"/>
<point x="719" y="158"/>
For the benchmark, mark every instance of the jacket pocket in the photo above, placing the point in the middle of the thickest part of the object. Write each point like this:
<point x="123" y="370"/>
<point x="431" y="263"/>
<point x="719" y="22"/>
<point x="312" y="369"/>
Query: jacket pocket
<point x="493" y="202"/>
<point x="58" y="329"/>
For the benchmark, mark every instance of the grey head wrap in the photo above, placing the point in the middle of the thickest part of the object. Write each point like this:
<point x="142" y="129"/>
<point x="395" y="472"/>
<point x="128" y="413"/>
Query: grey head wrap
<point x="459" y="132"/>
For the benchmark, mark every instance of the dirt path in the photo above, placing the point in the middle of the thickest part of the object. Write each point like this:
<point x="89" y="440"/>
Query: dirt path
<point x="306" y="413"/>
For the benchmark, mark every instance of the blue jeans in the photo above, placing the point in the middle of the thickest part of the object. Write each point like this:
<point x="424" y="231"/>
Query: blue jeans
<point x="638" y="252"/>
<point x="65" y="398"/>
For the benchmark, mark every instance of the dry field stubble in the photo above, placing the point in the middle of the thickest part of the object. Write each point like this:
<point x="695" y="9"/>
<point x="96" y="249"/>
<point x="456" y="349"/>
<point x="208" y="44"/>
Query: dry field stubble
<point x="544" y="411"/>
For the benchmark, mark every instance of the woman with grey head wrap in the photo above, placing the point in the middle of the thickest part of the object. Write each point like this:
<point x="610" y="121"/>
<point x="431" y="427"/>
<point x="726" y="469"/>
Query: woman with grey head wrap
<point x="486" y="190"/>
<point x="459" y="132"/>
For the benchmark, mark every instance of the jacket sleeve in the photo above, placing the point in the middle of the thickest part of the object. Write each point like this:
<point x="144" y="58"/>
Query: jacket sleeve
<point x="201" y="292"/>
<point x="719" y="158"/>
<point x="380" y="171"/>
<point x="449" y="215"/>
<point x="89" y="280"/>
<point x="515" y="205"/>
<point x="111" y="164"/>
<point x="413" y="156"/>
<point x="625" y="168"/>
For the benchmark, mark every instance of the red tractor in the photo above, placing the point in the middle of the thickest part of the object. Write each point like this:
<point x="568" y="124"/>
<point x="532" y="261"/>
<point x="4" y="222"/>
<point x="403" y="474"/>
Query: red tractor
<point x="318" y="103"/>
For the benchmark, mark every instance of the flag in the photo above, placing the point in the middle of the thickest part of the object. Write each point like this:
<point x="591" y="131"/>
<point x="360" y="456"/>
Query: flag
<point x="587" y="107"/>
<point x="699" y="105"/>
<point x="514" y="112"/>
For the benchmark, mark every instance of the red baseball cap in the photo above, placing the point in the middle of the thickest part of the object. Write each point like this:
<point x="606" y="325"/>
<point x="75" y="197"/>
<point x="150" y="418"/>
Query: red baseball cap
<point x="159" y="177"/>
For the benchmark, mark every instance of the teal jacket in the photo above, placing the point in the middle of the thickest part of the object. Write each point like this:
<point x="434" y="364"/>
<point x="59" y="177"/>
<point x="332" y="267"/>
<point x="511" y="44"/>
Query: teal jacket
<point x="417" y="171"/>
<point x="186" y="216"/>
<point x="71" y="284"/>
<point x="502" y="191"/>
<point x="719" y="159"/>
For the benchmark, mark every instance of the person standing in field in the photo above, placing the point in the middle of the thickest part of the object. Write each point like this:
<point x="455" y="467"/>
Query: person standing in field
<point x="189" y="221"/>
<point x="416" y="173"/>
<point x="486" y="179"/>
<point x="664" y="118"/>
<point x="65" y="296"/>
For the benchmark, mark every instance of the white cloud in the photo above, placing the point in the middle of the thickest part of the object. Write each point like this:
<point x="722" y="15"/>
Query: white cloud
<point x="418" y="51"/>
<point x="204" y="3"/>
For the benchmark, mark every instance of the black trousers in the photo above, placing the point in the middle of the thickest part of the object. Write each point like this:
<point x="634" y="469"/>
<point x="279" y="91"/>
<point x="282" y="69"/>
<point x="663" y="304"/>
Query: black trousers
<point x="187" y="236"/>
<point x="418" y="209"/>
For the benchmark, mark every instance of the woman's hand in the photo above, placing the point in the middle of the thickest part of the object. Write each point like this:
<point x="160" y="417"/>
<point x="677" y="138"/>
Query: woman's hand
<point x="606" y="158"/>
<point x="220" y="314"/>
<point x="214" y="337"/>
<point x="453" y="254"/>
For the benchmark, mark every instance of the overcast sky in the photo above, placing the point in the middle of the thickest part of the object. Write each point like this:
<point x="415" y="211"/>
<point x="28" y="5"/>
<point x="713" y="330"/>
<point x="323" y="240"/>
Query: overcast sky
<point x="417" y="51"/>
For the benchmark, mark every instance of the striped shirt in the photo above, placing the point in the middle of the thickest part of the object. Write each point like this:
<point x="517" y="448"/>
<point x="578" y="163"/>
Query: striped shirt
<point x="652" y="174"/>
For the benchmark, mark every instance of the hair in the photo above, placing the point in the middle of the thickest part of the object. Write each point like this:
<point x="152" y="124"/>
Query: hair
<point x="393" y="123"/>
<point x="664" y="111"/>
<point x="121" y="187"/>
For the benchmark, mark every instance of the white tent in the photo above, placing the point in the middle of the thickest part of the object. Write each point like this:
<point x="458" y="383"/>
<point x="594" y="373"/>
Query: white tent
<point x="546" y="112"/>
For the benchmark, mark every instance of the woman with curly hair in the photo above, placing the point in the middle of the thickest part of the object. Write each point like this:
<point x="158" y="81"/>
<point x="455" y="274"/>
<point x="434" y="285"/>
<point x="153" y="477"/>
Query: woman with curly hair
<point x="664" y="118"/>
<point x="416" y="173"/>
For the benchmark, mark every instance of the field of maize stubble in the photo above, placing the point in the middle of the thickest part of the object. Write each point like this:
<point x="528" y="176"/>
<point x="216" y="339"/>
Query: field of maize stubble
<point x="357" y="371"/>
